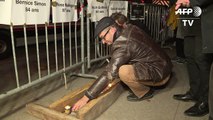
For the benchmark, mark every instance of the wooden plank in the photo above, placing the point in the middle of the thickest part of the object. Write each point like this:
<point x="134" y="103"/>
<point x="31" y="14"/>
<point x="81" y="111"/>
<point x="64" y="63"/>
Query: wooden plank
<point x="89" y="112"/>
<point x="97" y="106"/>
<point x="44" y="113"/>
<point x="70" y="98"/>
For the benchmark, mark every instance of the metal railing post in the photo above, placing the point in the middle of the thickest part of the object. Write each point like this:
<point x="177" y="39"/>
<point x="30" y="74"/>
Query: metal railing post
<point x="82" y="36"/>
<point x="14" y="56"/>
<point x="27" y="54"/>
<point x="56" y="49"/>
<point x="88" y="42"/>
<point x="47" y="48"/>
<point x="70" y="43"/>
<point x="37" y="51"/>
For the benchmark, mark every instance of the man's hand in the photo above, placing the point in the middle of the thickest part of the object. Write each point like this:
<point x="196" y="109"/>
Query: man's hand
<point x="83" y="101"/>
<point x="184" y="3"/>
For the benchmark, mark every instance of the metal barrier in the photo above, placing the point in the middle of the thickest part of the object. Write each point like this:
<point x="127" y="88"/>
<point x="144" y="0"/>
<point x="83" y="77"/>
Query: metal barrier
<point x="156" y="22"/>
<point x="68" y="60"/>
<point x="67" y="64"/>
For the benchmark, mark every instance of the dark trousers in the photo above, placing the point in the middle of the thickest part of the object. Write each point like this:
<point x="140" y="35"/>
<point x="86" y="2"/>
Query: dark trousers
<point x="198" y="65"/>
<point x="211" y="94"/>
<point x="180" y="47"/>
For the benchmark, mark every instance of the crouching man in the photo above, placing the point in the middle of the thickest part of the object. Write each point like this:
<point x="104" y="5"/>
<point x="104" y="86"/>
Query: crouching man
<point x="135" y="58"/>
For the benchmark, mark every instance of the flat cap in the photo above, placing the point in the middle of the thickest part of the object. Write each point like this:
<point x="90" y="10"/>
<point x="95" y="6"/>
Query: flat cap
<point x="102" y="24"/>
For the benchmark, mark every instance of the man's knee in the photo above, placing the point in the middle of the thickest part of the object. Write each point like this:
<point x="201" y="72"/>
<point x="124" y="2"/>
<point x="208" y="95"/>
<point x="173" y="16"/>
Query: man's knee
<point x="125" y="72"/>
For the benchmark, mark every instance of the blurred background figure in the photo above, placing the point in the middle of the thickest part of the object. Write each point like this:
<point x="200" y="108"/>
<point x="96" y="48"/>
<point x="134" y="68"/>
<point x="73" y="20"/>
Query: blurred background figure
<point x="174" y="24"/>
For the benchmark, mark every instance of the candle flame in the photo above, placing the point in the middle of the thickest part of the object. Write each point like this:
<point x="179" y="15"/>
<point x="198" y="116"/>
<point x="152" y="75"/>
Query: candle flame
<point x="67" y="107"/>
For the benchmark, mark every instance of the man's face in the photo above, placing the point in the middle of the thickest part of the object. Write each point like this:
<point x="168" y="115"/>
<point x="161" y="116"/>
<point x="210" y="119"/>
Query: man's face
<point x="107" y="36"/>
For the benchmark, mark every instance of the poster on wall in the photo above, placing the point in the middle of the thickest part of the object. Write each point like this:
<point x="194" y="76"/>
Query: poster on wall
<point x="118" y="6"/>
<point x="5" y="11"/>
<point x="97" y="9"/>
<point x="30" y="11"/>
<point x="64" y="11"/>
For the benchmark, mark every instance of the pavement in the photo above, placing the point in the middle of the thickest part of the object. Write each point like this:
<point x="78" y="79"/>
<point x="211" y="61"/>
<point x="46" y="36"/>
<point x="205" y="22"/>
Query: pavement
<point x="161" y="107"/>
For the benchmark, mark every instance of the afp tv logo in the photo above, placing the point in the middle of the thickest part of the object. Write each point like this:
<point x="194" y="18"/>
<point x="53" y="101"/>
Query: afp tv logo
<point x="188" y="15"/>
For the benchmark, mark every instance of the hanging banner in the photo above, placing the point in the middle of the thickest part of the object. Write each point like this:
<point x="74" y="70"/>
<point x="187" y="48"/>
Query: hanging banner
<point x="97" y="10"/>
<point x="118" y="6"/>
<point x="30" y="11"/>
<point x="5" y="11"/>
<point x="64" y="11"/>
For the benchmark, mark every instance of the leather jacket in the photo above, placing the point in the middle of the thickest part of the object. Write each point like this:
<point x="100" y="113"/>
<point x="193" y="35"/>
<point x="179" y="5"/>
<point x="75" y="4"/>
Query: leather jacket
<point x="134" y="47"/>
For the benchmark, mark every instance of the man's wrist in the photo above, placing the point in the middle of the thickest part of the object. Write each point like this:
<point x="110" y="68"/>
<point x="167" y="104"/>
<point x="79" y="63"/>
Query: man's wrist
<point x="86" y="98"/>
<point x="89" y="96"/>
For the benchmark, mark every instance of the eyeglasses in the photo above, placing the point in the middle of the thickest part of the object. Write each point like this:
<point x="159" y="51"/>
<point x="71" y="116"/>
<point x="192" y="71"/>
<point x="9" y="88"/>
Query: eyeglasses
<point x="103" y="37"/>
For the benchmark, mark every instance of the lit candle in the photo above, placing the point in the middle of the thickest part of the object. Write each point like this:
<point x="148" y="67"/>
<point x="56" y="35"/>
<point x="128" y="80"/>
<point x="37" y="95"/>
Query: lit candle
<point x="110" y="85"/>
<point x="67" y="109"/>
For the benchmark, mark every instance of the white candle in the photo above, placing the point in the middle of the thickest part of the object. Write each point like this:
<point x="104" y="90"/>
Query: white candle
<point x="67" y="109"/>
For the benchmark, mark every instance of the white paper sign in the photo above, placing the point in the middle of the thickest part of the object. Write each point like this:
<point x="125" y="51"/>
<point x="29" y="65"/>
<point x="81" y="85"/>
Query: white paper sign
<point x="64" y="11"/>
<point x="118" y="6"/>
<point x="30" y="11"/>
<point x="97" y="9"/>
<point x="5" y="11"/>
